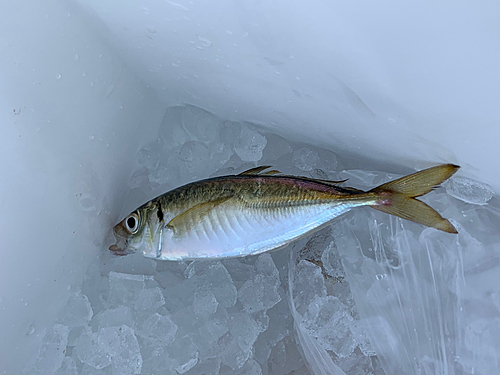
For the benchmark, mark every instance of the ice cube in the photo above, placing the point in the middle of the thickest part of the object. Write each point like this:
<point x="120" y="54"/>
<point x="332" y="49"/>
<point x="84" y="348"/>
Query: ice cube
<point x="89" y="370"/>
<point x="244" y="330"/>
<point x="359" y="178"/>
<point x="331" y="262"/>
<point x="495" y="297"/>
<point x="177" y="358"/>
<point x="342" y="290"/>
<point x="122" y="346"/>
<point x="230" y="132"/>
<point x="231" y="353"/>
<point x="265" y="266"/>
<point x="305" y="159"/>
<point x="262" y="350"/>
<point x="159" y="327"/>
<point x="95" y="287"/>
<point x="286" y="359"/>
<point x="180" y="295"/>
<point x="308" y="283"/>
<point x="251" y="367"/>
<point x="195" y="158"/>
<point x="213" y="276"/>
<point x="482" y="337"/>
<point x="359" y="334"/>
<point x="279" y="325"/>
<point x="240" y="271"/>
<point x="200" y="124"/>
<point x="91" y="352"/>
<point x="184" y="353"/>
<point x="136" y="264"/>
<point x="314" y="247"/>
<point x="149" y="156"/>
<point x="327" y="163"/>
<point x="329" y="321"/>
<point x="171" y="130"/>
<point x="234" y="166"/>
<point x="77" y="312"/>
<point x="210" y="331"/>
<point x="52" y="351"/>
<point x="186" y="320"/>
<point x="276" y="147"/>
<point x="115" y="317"/>
<point x="358" y="364"/>
<point x="170" y="273"/>
<point x="158" y="362"/>
<point x="76" y="332"/>
<point x="139" y="179"/>
<point x="219" y="155"/>
<point x="204" y="303"/>
<point x="161" y="175"/>
<point x="261" y="292"/>
<point x="248" y="296"/>
<point x="261" y="319"/>
<point x="249" y="145"/>
<point x="149" y="299"/>
<point x="278" y="354"/>
<point x="124" y="288"/>
<point x="209" y="366"/>
<point x="68" y="367"/>
<point x="469" y="190"/>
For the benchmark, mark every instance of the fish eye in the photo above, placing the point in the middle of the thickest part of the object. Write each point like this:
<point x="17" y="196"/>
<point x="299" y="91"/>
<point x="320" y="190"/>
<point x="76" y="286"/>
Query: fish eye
<point x="132" y="223"/>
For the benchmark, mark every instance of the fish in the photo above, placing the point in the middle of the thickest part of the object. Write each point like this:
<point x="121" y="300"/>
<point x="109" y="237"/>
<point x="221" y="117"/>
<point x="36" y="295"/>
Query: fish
<point x="258" y="211"/>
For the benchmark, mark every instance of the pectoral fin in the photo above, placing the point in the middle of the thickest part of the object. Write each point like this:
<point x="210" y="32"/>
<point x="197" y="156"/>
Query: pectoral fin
<point x="186" y="220"/>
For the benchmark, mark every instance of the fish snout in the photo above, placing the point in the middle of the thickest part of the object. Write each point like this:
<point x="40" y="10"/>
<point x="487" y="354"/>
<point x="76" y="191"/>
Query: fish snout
<point x="115" y="249"/>
<point x="120" y="247"/>
<point x="118" y="251"/>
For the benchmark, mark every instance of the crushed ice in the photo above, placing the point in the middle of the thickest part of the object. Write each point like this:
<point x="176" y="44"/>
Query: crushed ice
<point x="369" y="294"/>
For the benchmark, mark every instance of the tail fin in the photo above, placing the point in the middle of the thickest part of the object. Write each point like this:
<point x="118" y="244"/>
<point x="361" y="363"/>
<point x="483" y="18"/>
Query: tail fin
<point x="398" y="197"/>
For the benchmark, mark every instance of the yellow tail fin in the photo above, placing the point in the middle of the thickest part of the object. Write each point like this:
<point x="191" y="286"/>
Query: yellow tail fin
<point x="398" y="197"/>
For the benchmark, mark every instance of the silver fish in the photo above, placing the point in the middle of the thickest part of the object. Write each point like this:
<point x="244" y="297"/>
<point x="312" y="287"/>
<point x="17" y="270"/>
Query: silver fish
<point x="257" y="211"/>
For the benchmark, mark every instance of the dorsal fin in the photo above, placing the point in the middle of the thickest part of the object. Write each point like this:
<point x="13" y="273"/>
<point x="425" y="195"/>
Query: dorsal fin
<point x="257" y="172"/>
<point x="254" y="171"/>
<point x="270" y="173"/>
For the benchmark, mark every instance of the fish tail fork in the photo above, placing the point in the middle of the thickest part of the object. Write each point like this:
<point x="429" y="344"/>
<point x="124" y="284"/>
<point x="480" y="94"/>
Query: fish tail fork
<point x="398" y="197"/>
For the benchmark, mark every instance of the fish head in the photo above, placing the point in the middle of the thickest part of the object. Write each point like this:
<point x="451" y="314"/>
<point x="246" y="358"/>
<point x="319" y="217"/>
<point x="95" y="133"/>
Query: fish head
<point x="140" y="231"/>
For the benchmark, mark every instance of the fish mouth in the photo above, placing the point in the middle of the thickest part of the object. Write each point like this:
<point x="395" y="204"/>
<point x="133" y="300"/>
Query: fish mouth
<point x="120" y="248"/>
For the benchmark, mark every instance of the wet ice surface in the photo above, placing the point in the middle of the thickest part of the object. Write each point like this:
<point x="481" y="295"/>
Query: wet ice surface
<point x="469" y="190"/>
<point x="371" y="294"/>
